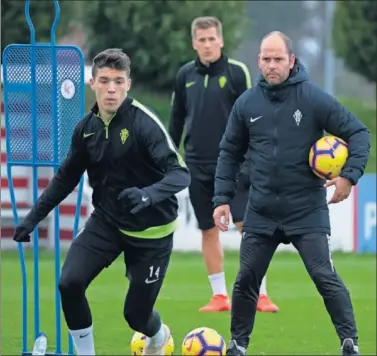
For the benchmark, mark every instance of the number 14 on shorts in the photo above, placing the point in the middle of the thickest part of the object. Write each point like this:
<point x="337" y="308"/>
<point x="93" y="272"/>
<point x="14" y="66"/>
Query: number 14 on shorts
<point x="154" y="275"/>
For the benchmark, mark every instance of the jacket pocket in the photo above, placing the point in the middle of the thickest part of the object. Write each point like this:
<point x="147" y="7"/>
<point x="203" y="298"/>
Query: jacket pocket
<point x="261" y="203"/>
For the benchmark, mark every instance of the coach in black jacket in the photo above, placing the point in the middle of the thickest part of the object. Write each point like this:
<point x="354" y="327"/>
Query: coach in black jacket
<point x="278" y="121"/>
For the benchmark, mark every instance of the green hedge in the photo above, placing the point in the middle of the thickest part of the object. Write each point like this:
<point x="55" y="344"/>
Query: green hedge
<point x="367" y="114"/>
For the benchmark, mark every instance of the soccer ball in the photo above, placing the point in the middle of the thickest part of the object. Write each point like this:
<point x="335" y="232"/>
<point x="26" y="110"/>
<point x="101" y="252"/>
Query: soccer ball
<point x="138" y="343"/>
<point x="327" y="157"/>
<point x="202" y="342"/>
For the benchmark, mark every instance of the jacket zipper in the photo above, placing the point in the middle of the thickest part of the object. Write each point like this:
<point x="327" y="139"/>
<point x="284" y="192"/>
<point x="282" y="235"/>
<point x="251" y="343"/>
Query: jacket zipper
<point x="106" y="123"/>
<point x="206" y="81"/>
<point x="276" y="163"/>
<point x="275" y="153"/>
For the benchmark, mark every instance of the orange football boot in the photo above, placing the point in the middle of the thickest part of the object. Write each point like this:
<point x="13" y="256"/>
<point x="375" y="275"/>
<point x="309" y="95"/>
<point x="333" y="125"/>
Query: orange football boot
<point x="218" y="303"/>
<point x="265" y="305"/>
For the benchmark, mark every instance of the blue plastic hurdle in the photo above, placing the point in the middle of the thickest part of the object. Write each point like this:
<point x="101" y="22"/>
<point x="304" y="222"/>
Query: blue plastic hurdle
<point x="43" y="102"/>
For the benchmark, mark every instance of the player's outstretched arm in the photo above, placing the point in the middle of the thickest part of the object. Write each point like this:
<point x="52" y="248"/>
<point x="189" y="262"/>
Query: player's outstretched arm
<point x="233" y="146"/>
<point x="165" y="155"/>
<point x="178" y="110"/>
<point x="155" y="138"/>
<point x="61" y="185"/>
<point x="338" y="121"/>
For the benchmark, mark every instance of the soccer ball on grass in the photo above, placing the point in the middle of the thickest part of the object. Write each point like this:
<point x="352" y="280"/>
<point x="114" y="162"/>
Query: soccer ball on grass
<point x="138" y="343"/>
<point x="327" y="157"/>
<point x="203" y="342"/>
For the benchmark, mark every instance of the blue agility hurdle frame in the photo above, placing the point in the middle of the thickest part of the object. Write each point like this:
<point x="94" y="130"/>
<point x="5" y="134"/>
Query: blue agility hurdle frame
<point x="39" y="120"/>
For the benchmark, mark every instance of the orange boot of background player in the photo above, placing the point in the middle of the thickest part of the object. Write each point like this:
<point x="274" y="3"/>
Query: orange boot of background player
<point x="221" y="302"/>
<point x="264" y="302"/>
<point x="218" y="303"/>
<point x="265" y="305"/>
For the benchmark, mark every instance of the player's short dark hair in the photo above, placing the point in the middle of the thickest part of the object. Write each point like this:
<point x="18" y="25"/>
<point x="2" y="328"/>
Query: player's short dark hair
<point x="287" y="41"/>
<point x="111" y="58"/>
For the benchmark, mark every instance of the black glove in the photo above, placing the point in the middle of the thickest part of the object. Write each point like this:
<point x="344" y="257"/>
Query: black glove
<point x="22" y="232"/>
<point x="135" y="199"/>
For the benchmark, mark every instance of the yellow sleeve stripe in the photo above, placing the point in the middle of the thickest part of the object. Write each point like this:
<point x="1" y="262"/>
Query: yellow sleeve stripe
<point x="173" y="94"/>
<point x="245" y="70"/>
<point x="162" y="127"/>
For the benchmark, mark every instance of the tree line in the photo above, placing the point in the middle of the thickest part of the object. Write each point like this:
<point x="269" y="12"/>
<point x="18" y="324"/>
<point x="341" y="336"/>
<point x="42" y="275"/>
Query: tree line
<point x="157" y="35"/>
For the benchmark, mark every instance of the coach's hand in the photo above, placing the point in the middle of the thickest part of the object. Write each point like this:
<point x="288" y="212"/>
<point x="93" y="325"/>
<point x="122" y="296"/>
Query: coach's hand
<point x="136" y="199"/>
<point x="22" y="233"/>
<point x="343" y="189"/>
<point x="221" y="217"/>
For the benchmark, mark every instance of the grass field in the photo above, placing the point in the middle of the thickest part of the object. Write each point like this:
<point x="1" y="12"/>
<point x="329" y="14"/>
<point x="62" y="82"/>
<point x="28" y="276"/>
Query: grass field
<point x="301" y="327"/>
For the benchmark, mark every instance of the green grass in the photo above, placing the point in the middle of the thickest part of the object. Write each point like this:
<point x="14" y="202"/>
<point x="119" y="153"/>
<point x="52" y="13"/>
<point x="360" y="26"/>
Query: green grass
<point x="301" y="327"/>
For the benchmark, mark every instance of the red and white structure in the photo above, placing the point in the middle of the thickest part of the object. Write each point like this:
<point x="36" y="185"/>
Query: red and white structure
<point x="23" y="188"/>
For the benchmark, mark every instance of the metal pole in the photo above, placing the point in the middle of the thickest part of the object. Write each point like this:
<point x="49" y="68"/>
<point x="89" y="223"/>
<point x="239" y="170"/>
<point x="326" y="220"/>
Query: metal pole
<point x="329" y="65"/>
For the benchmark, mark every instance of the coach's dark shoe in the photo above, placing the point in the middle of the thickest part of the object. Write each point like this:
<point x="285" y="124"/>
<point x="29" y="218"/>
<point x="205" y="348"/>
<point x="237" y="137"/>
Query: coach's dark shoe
<point x="349" y="348"/>
<point x="235" y="350"/>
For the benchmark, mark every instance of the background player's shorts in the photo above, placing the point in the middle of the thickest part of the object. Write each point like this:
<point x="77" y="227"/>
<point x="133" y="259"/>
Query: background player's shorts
<point x="201" y="191"/>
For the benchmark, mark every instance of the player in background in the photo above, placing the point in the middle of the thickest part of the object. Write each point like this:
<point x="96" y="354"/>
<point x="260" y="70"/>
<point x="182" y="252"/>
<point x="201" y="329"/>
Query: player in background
<point x="204" y="93"/>
<point x="135" y="172"/>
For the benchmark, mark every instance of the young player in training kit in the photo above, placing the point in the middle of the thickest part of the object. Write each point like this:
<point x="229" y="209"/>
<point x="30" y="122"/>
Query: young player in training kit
<point x="135" y="172"/>
<point x="204" y="93"/>
<point x="288" y="202"/>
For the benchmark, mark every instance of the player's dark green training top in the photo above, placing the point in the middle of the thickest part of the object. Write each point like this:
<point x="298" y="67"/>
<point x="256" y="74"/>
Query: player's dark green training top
<point x="203" y="99"/>
<point x="133" y="149"/>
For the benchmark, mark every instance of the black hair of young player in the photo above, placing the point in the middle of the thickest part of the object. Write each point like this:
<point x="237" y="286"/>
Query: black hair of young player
<point x="111" y="58"/>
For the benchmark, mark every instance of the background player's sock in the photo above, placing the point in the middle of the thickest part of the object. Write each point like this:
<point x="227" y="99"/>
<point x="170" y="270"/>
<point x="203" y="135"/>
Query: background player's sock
<point x="157" y="340"/>
<point x="218" y="283"/>
<point x="263" y="286"/>
<point x="83" y="341"/>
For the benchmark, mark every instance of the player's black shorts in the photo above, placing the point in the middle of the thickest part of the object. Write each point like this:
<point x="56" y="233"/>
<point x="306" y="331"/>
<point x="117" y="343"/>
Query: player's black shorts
<point x="201" y="191"/>
<point x="142" y="256"/>
<point x="94" y="249"/>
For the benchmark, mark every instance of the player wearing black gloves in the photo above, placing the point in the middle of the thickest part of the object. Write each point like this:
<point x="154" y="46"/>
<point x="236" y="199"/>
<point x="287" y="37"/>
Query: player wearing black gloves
<point x="135" y="171"/>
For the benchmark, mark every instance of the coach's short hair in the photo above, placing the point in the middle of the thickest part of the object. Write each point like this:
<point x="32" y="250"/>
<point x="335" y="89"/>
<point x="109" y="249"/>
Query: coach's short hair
<point x="111" y="58"/>
<point x="206" y="22"/>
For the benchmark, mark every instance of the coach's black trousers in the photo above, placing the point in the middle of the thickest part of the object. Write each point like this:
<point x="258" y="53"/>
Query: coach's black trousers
<point x="94" y="249"/>
<point x="255" y="256"/>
